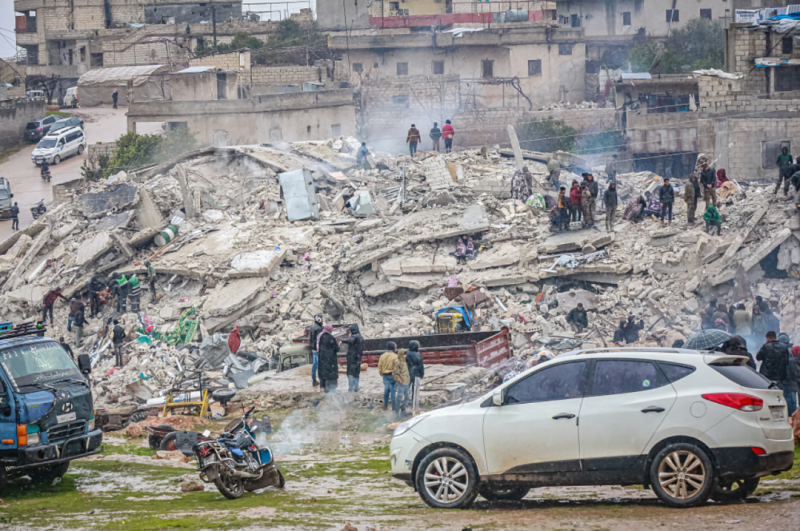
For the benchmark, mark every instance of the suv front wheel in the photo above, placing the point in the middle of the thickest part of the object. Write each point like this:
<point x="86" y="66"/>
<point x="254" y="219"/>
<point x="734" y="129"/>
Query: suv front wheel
<point x="682" y="475"/>
<point x="447" y="479"/>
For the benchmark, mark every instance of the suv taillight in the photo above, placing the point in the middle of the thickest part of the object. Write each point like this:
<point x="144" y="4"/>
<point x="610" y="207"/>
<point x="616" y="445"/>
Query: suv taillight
<point x="40" y="128"/>
<point x="738" y="401"/>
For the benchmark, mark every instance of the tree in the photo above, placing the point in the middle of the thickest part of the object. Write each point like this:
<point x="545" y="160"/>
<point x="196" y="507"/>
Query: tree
<point x="700" y="44"/>
<point x="253" y="17"/>
<point x="48" y="84"/>
<point x="547" y="136"/>
<point x="135" y="150"/>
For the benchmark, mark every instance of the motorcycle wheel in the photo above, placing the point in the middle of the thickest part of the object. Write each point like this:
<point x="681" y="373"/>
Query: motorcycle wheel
<point x="35" y="214"/>
<point x="230" y="486"/>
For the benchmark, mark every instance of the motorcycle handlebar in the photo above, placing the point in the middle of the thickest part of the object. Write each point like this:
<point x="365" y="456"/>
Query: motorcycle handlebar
<point x="249" y="411"/>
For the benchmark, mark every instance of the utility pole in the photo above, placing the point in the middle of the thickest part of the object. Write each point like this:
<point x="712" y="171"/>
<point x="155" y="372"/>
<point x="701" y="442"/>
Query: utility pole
<point x="214" y="24"/>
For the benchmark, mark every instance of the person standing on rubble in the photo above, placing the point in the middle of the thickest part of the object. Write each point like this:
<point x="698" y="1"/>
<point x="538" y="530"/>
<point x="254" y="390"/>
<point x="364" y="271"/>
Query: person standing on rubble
<point x="403" y="380"/>
<point x="80" y="320"/>
<point x="578" y="319"/>
<point x="591" y="185"/>
<point x="563" y="209"/>
<point x="74" y="304"/>
<point x="328" y="363"/>
<point x="784" y="163"/>
<point x="120" y="287"/>
<point x="416" y="368"/>
<point x="435" y="134"/>
<point x="611" y="169"/>
<point x="152" y="276"/>
<point x="775" y="359"/>
<point x="448" y="133"/>
<point x="95" y="287"/>
<point x="691" y="193"/>
<point x="666" y="195"/>
<point x="586" y="204"/>
<point x="118" y="338"/>
<point x="554" y="172"/>
<point x="412" y="139"/>
<point x="708" y="179"/>
<point x="48" y="302"/>
<point x="575" y="201"/>
<point x="355" y="351"/>
<point x="713" y="219"/>
<point x="135" y="293"/>
<point x="385" y="368"/>
<point x="610" y="199"/>
<point x="632" y="330"/>
<point x="313" y="333"/>
<point x="361" y="156"/>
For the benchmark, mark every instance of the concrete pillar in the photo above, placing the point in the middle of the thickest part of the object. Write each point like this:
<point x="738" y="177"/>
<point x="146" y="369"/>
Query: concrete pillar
<point x="131" y="125"/>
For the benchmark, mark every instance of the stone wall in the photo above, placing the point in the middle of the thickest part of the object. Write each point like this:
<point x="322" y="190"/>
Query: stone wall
<point x="289" y="74"/>
<point x="746" y="143"/>
<point x="99" y="149"/>
<point x="741" y="50"/>
<point x="224" y="61"/>
<point x="14" y="116"/>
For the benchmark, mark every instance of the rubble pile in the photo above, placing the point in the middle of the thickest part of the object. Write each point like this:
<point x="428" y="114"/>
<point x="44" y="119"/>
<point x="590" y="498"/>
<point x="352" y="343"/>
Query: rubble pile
<point x="375" y="247"/>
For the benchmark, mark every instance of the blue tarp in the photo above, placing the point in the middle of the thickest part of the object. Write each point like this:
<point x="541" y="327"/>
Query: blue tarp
<point x="460" y="309"/>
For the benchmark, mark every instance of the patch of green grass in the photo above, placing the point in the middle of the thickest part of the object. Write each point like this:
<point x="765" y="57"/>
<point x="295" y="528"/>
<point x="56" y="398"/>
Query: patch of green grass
<point x="148" y="472"/>
<point x="362" y="468"/>
<point x="59" y="114"/>
<point x="154" y="522"/>
<point x="128" y="449"/>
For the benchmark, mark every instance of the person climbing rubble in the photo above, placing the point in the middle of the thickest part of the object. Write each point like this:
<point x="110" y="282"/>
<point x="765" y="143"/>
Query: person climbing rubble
<point x="784" y="164"/>
<point x="385" y="368"/>
<point x="118" y="338"/>
<point x="465" y="249"/>
<point x="575" y="201"/>
<point x="578" y="319"/>
<point x="361" y="157"/>
<point x="328" y="363"/>
<point x="95" y="288"/>
<point x="666" y="195"/>
<point x="619" y="332"/>
<point x="553" y="173"/>
<point x="80" y="321"/>
<point x="712" y="219"/>
<point x="610" y="200"/>
<point x="435" y="135"/>
<point x="448" y="133"/>
<point x="313" y="334"/>
<point x="691" y="193"/>
<point x="416" y="367"/>
<point x="632" y="329"/>
<point x="355" y="351"/>
<point x="152" y="277"/>
<point x="708" y="179"/>
<point x="403" y="381"/>
<point x="48" y="302"/>
<point x="135" y="294"/>
<point x="412" y="139"/>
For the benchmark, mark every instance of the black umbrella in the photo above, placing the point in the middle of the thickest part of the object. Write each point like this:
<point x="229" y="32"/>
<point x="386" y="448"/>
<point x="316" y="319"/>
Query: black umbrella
<point x="706" y="339"/>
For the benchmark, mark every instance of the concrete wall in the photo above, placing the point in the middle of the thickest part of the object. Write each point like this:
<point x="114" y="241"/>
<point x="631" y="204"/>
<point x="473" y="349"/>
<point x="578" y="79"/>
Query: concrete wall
<point x="224" y="61"/>
<point x="14" y="116"/>
<point x="342" y="14"/>
<point x="202" y="86"/>
<point x="742" y="47"/>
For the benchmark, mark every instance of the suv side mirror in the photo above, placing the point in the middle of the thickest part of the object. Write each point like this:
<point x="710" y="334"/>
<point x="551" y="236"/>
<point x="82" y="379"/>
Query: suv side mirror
<point x="84" y="363"/>
<point x="497" y="398"/>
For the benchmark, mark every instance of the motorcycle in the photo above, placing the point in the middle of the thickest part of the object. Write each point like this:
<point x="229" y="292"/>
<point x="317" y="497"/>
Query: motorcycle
<point x="38" y="209"/>
<point x="236" y="463"/>
<point x="45" y="169"/>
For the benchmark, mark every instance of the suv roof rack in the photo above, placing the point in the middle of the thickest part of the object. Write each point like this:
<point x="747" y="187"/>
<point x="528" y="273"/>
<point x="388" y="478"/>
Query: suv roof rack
<point x="8" y="330"/>
<point x="664" y="350"/>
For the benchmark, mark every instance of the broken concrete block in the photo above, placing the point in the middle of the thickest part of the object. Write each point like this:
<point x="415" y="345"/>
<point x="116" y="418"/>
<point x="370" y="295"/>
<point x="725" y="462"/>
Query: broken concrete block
<point x="393" y="266"/>
<point x="502" y="255"/>
<point x="256" y="263"/>
<point x="361" y="204"/>
<point x="115" y="199"/>
<point x="92" y="249"/>
<point x="417" y="282"/>
<point x="572" y="298"/>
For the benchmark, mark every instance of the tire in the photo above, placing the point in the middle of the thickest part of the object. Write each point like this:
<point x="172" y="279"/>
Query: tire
<point x="80" y="149"/>
<point x="460" y="479"/>
<point x="47" y="474"/>
<point x="734" y="490"/>
<point x="168" y="442"/>
<point x="56" y="160"/>
<point x="138" y="416"/>
<point x="230" y="487"/>
<point x="503" y="494"/>
<point x="682" y="475"/>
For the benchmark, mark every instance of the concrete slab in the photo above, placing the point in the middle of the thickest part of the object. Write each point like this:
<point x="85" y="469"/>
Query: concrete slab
<point x="417" y="282"/>
<point x="233" y="296"/>
<point x="91" y="249"/>
<point x="424" y="264"/>
<point x="502" y="255"/>
<point x="114" y="199"/>
<point x="572" y="298"/>
<point x="394" y="266"/>
<point x="564" y="242"/>
<point x="113" y="221"/>
<point x="31" y="294"/>
<point x="256" y="263"/>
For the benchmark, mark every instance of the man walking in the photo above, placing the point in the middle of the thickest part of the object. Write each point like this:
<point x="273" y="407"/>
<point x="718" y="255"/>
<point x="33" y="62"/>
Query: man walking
<point x="436" y="134"/>
<point x="784" y="163"/>
<point x="775" y="358"/>
<point x="708" y="181"/>
<point x="385" y="368"/>
<point x="578" y="319"/>
<point x="15" y="217"/>
<point x="50" y="299"/>
<point x="448" y="133"/>
<point x="151" y="280"/>
<point x="313" y="333"/>
<point x="691" y="192"/>
<point x="118" y="338"/>
<point x="115" y="97"/>
<point x="610" y="200"/>
<point x="80" y="320"/>
<point x="403" y="381"/>
<point x="412" y="139"/>
<point x="667" y="196"/>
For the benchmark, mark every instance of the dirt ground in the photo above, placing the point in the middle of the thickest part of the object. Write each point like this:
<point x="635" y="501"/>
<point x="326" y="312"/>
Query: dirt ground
<point x="337" y="471"/>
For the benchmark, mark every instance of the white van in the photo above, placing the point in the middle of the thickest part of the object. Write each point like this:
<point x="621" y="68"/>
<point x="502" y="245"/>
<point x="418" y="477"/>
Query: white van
<point x="59" y="145"/>
<point x="71" y="97"/>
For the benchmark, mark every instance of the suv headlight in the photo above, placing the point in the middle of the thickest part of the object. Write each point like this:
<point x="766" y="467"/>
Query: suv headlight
<point x="407" y="425"/>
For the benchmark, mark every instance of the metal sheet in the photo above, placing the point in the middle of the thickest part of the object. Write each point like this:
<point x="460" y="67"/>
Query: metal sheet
<point x="300" y="195"/>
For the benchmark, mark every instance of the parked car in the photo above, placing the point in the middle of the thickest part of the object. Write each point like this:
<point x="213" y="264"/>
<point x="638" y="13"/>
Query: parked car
<point x="59" y="145"/>
<point x="71" y="97"/>
<point x="35" y="94"/>
<point x="38" y="127"/>
<point x="5" y="198"/>
<point x="689" y="425"/>
<point x="66" y="122"/>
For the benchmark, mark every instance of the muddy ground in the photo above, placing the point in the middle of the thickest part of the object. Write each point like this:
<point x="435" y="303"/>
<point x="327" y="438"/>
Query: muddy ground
<point x="337" y="471"/>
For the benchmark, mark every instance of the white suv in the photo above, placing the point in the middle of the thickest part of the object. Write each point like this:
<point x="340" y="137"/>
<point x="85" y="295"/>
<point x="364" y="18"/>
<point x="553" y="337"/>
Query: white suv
<point x="690" y="425"/>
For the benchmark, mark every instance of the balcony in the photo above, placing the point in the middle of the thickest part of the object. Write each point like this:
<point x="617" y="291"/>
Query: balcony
<point x="65" y="71"/>
<point x="27" y="39"/>
<point x="27" y="5"/>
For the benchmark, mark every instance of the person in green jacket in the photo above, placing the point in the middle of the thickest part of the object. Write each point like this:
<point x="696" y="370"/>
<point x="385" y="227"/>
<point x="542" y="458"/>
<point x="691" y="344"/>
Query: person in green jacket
<point x="784" y="162"/>
<point x="712" y="219"/>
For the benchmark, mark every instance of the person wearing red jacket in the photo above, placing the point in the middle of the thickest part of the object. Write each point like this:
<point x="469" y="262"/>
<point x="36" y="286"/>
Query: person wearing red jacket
<point x="50" y="299"/>
<point x="447" y="133"/>
<point x="575" y="201"/>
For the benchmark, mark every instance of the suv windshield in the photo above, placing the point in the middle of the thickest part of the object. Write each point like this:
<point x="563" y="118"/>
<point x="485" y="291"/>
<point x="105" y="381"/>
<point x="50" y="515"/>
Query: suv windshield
<point x="37" y="363"/>
<point x="46" y="143"/>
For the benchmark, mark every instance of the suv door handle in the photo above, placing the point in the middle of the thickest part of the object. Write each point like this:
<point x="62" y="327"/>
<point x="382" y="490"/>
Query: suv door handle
<point x="653" y="409"/>
<point x="564" y="416"/>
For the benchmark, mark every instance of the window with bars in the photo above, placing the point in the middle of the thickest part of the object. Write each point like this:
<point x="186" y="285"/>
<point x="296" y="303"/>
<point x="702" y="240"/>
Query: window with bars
<point x="535" y="67"/>
<point x="487" y="68"/>
<point x="402" y="69"/>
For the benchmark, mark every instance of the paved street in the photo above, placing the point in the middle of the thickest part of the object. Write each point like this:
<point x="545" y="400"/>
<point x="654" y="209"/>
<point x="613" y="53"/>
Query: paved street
<point x="102" y="124"/>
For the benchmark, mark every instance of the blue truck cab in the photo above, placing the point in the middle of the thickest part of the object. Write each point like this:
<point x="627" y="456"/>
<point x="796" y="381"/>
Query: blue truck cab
<point x="46" y="411"/>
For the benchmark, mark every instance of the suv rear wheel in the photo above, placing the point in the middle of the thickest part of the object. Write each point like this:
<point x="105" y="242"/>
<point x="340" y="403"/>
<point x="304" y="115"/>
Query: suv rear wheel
<point x="734" y="490"/>
<point x="682" y="475"/>
<point x="505" y="494"/>
<point x="447" y="479"/>
<point x="56" y="160"/>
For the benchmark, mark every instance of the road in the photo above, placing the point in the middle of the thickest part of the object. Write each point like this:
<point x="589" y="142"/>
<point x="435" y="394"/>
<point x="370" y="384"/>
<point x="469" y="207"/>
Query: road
<point x="102" y="124"/>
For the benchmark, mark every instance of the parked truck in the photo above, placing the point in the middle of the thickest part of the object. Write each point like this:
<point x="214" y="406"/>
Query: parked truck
<point x="46" y="410"/>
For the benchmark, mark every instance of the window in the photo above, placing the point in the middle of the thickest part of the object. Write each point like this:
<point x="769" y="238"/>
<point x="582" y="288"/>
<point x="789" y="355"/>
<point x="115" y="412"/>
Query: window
<point x="49" y="120"/>
<point x="705" y="13"/>
<point x="743" y="375"/>
<point x="402" y="69"/>
<point x="61" y="141"/>
<point x="560" y="382"/>
<point x="770" y="152"/>
<point x="336" y="129"/>
<point x="438" y="68"/>
<point x="308" y="129"/>
<point x="358" y="67"/>
<point x="487" y="68"/>
<point x="788" y="45"/>
<point x="673" y="15"/>
<point x="394" y="6"/>
<point x="565" y="49"/>
<point x="83" y="54"/>
<point x="72" y="136"/>
<point x="96" y="59"/>
<point x="535" y="67"/>
<point x="614" y="377"/>
<point x="400" y="99"/>
<point x="675" y="372"/>
<point x="626" y="18"/>
<point x="575" y="20"/>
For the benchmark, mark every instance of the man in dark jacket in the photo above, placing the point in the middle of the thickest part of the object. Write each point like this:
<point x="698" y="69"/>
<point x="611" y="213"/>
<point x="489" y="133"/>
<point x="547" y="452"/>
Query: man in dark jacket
<point x="313" y="333"/>
<point x="435" y="134"/>
<point x="774" y="358"/>
<point x="80" y="320"/>
<point x="412" y="139"/>
<point x="619" y="333"/>
<point x="667" y="197"/>
<point x="328" y="361"/>
<point x="118" y="338"/>
<point x="578" y="319"/>
<point x="416" y="369"/>
<point x="632" y="330"/>
<point x="784" y="163"/>
<point x="95" y="287"/>
<point x="74" y="304"/>
<point x="610" y="199"/>
<point x="692" y="194"/>
<point x="708" y="181"/>
<point x="355" y="350"/>
<point x="15" y="217"/>
<point x="66" y="347"/>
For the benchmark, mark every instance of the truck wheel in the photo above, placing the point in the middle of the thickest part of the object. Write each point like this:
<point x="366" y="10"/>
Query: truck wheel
<point x="3" y="479"/>
<point x="447" y="479"/>
<point x="682" y="475"/>
<point x="48" y="474"/>
<point x="503" y="494"/>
